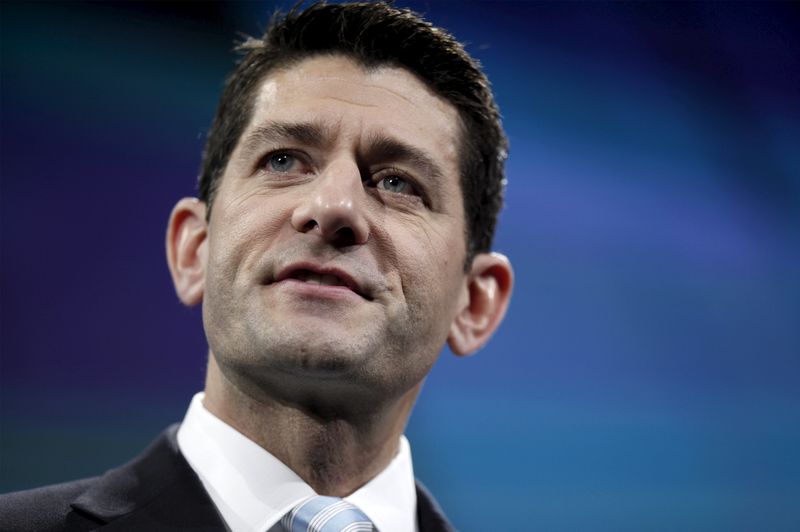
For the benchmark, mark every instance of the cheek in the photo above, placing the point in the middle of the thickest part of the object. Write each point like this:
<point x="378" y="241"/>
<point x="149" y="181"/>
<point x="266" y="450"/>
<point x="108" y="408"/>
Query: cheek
<point x="432" y="267"/>
<point x="443" y="246"/>
<point x="253" y="208"/>
<point x="241" y="230"/>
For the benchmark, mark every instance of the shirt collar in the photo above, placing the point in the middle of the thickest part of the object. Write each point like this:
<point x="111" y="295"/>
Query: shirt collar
<point x="252" y="489"/>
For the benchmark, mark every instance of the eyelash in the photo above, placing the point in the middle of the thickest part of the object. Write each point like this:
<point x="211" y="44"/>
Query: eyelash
<point x="386" y="173"/>
<point x="372" y="181"/>
<point x="298" y="157"/>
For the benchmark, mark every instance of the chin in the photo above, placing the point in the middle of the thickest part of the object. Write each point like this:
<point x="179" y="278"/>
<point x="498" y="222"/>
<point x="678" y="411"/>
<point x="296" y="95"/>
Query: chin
<point x="315" y="351"/>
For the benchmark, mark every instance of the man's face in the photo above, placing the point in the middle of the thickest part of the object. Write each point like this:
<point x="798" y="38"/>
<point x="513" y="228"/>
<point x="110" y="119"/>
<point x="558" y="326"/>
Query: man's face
<point x="336" y="242"/>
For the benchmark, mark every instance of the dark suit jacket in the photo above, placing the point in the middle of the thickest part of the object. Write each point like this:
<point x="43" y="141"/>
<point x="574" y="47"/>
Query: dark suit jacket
<point x="157" y="491"/>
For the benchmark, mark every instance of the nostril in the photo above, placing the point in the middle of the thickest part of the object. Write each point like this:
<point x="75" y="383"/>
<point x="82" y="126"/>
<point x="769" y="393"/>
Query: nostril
<point x="338" y="220"/>
<point x="344" y="236"/>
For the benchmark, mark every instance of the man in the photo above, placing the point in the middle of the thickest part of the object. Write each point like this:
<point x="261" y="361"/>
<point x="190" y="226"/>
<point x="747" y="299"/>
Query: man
<point x="348" y="196"/>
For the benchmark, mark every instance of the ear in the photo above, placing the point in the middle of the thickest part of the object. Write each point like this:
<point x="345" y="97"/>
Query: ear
<point x="187" y="249"/>
<point x="488" y="289"/>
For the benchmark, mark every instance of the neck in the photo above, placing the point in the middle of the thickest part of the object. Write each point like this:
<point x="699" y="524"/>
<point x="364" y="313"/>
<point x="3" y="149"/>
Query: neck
<point x="335" y="450"/>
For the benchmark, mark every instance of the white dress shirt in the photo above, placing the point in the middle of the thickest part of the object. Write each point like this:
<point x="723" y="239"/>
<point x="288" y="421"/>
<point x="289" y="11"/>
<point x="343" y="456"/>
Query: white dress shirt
<point x="252" y="489"/>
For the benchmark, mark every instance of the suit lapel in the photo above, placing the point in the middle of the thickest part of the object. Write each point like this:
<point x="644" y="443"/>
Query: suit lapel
<point x="430" y="516"/>
<point x="156" y="491"/>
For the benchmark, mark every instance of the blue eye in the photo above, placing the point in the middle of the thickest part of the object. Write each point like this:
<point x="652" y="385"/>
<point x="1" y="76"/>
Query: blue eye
<point x="396" y="184"/>
<point x="281" y="162"/>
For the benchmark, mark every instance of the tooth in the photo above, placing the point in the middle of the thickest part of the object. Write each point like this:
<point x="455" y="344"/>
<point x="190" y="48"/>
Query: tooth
<point x="313" y="278"/>
<point x="329" y="280"/>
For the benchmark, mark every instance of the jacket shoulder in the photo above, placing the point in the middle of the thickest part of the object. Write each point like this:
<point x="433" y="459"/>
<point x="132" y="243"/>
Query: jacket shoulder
<point x="156" y="491"/>
<point x="45" y="509"/>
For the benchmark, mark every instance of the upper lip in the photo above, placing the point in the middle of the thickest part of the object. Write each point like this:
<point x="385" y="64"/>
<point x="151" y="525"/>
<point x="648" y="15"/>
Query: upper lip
<point x="347" y="279"/>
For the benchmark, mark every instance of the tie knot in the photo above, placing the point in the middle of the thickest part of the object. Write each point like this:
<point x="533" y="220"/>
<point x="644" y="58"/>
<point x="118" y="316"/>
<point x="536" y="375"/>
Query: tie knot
<point x="326" y="514"/>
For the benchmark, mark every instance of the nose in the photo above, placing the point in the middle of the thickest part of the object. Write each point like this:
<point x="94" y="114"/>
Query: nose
<point x="334" y="207"/>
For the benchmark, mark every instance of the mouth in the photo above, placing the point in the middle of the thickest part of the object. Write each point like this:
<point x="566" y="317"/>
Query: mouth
<point x="328" y="277"/>
<point x="307" y="276"/>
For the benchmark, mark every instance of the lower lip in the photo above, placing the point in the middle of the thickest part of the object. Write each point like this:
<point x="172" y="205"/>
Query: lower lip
<point x="322" y="291"/>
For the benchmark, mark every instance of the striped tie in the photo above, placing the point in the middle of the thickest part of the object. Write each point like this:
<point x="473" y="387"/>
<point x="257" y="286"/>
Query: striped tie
<point x="326" y="514"/>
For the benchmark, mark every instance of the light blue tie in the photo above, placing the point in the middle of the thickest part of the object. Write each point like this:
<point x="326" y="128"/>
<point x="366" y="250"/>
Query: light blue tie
<point x="326" y="514"/>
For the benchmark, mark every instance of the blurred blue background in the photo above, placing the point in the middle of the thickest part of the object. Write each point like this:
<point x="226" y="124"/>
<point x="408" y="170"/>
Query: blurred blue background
<point x="647" y="376"/>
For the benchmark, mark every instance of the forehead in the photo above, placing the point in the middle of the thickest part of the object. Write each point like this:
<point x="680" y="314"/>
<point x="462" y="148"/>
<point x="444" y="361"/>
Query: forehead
<point x="359" y="103"/>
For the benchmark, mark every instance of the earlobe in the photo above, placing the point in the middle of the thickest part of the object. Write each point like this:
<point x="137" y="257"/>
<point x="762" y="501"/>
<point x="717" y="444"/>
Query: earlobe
<point x="187" y="249"/>
<point x="489" y="286"/>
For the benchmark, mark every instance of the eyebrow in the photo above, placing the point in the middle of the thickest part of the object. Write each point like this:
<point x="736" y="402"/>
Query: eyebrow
<point x="384" y="148"/>
<point x="312" y="134"/>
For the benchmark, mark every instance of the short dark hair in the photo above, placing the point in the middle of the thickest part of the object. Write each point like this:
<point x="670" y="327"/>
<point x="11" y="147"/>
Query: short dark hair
<point x="374" y="34"/>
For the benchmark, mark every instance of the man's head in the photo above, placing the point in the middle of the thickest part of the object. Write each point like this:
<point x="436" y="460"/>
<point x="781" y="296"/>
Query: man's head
<point x="332" y="264"/>
<point x="374" y="35"/>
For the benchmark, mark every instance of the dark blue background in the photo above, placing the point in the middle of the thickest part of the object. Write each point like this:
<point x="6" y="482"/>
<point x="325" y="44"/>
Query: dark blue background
<point x="647" y="375"/>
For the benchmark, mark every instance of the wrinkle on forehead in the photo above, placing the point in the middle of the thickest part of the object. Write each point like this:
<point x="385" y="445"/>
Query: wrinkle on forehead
<point x="344" y="100"/>
<point x="392" y="71"/>
<point x="322" y="70"/>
